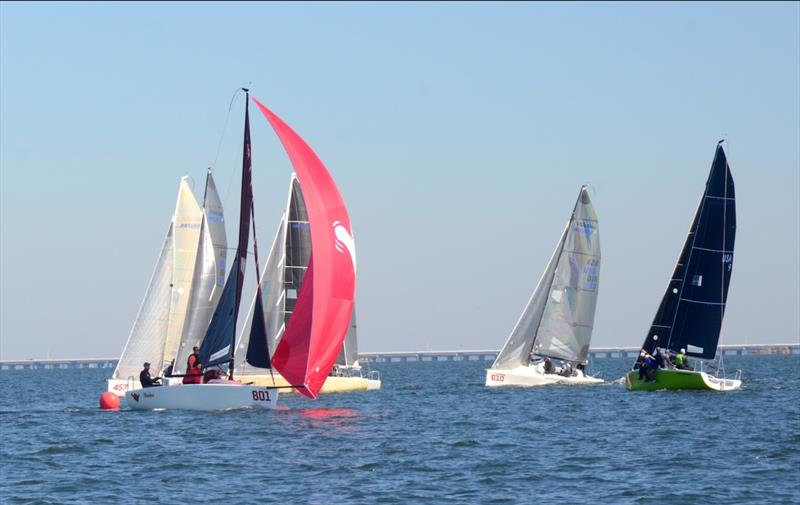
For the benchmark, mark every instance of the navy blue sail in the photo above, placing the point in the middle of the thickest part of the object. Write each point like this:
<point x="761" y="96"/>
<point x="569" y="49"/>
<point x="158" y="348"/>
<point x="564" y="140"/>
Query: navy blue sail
<point x="257" y="348"/>
<point x="691" y="312"/>
<point x="220" y="340"/>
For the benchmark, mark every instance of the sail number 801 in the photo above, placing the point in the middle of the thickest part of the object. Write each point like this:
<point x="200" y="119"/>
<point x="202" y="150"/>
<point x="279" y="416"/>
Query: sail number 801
<point x="260" y="396"/>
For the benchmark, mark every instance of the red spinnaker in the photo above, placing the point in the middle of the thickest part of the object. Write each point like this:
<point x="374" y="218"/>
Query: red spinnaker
<point x="319" y="322"/>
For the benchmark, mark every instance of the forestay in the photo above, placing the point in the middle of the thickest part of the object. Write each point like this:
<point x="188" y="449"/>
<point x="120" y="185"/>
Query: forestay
<point x="558" y="320"/>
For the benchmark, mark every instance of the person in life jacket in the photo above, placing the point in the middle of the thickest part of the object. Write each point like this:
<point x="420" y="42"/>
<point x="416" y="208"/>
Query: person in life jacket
<point x="680" y="361"/>
<point x="146" y="380"/>
<point x="647" y="366"/>
<point x="194" y="375"/>
<point x="548" y="366"/>
<point x="193" y="358"/>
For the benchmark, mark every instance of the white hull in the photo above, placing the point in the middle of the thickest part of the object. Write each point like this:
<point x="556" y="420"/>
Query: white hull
<point x="721" y="383"/>
<point x="533" y="376"/>
<point x="213" y="396"/>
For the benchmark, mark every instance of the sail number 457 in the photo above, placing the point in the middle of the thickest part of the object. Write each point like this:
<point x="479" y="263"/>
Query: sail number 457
<point x="260" y="396"/>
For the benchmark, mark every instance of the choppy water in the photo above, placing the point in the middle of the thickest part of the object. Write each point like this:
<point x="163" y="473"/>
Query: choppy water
<point x="433" y="434"/>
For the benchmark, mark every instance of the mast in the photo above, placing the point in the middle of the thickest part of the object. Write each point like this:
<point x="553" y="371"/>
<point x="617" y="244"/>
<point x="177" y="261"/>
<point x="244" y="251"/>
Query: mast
<point x="219" y="343"/>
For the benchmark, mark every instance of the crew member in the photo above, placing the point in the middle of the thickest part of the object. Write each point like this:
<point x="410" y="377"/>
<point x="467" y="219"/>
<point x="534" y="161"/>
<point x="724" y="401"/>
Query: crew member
<point x="680" y="361"/>
<point x="193" y="358"/>
<point x="548" y="366"/>
<point x="194" y="375"/>
<point x="146" y="380"/>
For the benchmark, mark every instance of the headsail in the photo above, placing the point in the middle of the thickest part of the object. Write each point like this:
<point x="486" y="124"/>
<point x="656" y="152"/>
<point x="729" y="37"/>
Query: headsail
<point x="309" y="346"/>
<point x="186" y="236"/>
<point x="558" y="319"/>
<point x="149" y="332"/>
<point x="209" y="275"/>
<point x="218" y="344"/>
<point x="691" y="311"/>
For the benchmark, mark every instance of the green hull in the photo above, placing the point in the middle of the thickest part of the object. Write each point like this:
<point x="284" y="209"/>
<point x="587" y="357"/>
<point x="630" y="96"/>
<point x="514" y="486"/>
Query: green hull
<point x="668" y="379"/>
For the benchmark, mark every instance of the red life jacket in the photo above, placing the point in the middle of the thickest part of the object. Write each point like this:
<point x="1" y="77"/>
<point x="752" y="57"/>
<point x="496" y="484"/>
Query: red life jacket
<point x="193" y="376"/>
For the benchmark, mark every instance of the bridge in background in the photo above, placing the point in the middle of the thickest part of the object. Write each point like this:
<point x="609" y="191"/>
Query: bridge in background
<point x="597" y="352"/>
<point x="386" y="357"/>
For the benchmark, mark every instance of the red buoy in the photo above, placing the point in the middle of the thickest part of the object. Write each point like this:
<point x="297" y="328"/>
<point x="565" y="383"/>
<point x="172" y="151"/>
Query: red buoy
<point x="109" y="401"/>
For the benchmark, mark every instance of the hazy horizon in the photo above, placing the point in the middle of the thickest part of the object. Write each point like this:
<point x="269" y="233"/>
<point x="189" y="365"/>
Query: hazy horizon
<point x="458" y="133"/>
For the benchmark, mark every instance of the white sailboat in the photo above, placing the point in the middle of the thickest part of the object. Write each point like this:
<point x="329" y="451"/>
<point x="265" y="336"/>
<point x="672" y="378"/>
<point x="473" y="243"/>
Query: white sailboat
<point x="165" y="313"/>
<point x="557" y="322"/>
<point x="281" y="280"/>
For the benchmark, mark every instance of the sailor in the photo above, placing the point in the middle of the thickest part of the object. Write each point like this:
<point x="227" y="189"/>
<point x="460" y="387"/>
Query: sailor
<point x="548" y="366"/>
<point x="661" y="359"/>
<point x="146" y="380"/>
<point x="680" y="361"/>
<point x="566" y="369"/>
<point x="647" y="365"/>
<point x="581" y="367"/>
<point x="193" y="358"/>
<point x="194" y="375"/>
<point x="168" y="370"/>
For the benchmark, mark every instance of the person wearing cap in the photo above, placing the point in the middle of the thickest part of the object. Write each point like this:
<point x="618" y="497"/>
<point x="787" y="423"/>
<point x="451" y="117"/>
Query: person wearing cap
<point x="146" y="380"/>
<point x="680" y="361"/>
<point x="193" y="358"/>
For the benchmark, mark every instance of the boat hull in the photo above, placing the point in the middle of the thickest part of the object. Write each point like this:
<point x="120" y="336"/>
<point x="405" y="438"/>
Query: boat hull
<point x="532" y="376"/>
<point x="222" y="396"/>
<point x="332" y="384"/>
<point x="673" y="380"/>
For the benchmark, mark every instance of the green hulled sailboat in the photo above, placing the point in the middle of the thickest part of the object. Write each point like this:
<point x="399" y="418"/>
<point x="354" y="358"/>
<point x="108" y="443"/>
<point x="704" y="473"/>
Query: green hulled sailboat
<point x="690" y="316"/>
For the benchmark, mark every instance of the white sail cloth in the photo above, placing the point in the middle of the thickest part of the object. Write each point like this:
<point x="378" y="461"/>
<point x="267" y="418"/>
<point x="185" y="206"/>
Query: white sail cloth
<point x="558" y="320"/>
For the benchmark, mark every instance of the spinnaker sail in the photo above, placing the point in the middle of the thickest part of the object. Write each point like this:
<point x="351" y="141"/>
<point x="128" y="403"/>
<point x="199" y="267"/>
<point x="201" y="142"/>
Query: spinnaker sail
<point x="320" y="317"/>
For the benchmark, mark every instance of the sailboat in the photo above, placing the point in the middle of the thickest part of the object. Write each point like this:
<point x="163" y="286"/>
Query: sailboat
<point x="317" y="327"/>
<point x="193" y="252"/>
<point x="282" y="279"/>
<point x="557" y="322"/>
<point x="690" y="316"/>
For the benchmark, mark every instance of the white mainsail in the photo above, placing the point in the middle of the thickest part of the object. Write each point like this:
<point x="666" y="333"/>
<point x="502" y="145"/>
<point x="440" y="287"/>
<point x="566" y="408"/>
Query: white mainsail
<point x="558" y="320"/>
<point x="186" y="237"/>
<point x="209" y="275"/>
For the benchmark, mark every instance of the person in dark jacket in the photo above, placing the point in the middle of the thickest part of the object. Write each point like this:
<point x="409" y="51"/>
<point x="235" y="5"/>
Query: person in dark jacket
<point x="548" y="366"/>
<point x="146" y="380"/>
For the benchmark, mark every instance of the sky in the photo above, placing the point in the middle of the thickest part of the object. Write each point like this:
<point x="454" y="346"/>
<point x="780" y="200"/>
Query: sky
<point x="458" y="133"/>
